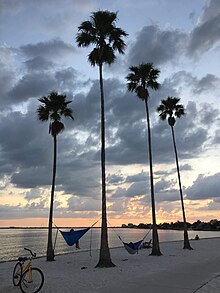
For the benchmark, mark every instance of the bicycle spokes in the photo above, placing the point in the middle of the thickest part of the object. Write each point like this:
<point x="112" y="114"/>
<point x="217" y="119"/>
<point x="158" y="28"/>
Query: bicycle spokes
<point x="33" y="284"/>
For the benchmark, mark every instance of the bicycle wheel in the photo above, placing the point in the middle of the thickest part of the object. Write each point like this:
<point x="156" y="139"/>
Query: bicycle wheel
<point x="35" y="284"/>
<point x="17" y="274"/>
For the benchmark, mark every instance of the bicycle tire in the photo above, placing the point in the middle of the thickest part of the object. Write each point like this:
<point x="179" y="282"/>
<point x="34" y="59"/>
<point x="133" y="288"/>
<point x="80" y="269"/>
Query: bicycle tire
<point x="37" y="281"/>
<point x="17" y="274"/>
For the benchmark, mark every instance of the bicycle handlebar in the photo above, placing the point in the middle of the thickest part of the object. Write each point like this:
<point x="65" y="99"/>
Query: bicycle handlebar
<point x="33" y="254"/>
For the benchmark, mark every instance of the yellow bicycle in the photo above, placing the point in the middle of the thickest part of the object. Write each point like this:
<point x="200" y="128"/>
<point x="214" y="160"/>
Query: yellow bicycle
<point x="29" y="279"/>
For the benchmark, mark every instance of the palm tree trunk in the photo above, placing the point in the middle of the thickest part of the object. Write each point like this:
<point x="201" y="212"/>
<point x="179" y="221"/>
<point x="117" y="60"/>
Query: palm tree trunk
<point x="186" y="238"/>
<point x="155" y="244"/>
<point x="104" y="256"/>
<point x="50" y="249"/>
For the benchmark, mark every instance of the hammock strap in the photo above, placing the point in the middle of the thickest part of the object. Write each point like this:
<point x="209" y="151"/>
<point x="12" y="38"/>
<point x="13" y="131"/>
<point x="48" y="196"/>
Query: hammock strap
<point x="55" y="241"/>
<point x="120" y="236"/>
<point x="115" y="231"/>
<point x="90" y="244"/>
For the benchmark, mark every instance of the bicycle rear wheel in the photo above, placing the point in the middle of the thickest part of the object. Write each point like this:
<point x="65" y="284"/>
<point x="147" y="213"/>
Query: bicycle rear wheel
<point x="33" y="285"/>
<point x="17" y="274"/>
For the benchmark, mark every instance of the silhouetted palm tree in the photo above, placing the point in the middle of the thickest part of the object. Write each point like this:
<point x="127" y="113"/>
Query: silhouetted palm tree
<point x="139" y="80"/>
<point x="101" y="32"/>
<point x="170" y="109"/>
<point x="52" y="108"/>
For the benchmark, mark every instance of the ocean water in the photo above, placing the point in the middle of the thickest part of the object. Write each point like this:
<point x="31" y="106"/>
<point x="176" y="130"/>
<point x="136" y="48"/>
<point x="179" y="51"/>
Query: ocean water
<point x="13" y="241"/>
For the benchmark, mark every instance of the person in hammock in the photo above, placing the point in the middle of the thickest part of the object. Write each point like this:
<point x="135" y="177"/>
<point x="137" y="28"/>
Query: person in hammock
<point x="77" y="243"/>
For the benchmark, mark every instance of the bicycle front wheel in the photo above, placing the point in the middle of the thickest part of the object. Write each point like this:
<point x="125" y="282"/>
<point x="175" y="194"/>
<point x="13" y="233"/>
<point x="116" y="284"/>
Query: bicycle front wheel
<point x="17" y="274"/>
<point x="32" y="281"/>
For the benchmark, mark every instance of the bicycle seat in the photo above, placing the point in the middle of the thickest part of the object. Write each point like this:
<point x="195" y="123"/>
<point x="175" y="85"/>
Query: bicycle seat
<point x="21" y="258"/>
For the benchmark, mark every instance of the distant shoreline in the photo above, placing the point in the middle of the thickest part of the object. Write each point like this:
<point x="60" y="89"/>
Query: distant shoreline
<point x="139" y="228"/>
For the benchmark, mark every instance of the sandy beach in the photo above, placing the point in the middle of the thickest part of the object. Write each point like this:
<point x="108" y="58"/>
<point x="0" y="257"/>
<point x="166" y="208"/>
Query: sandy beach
<point x="176" y="271"/>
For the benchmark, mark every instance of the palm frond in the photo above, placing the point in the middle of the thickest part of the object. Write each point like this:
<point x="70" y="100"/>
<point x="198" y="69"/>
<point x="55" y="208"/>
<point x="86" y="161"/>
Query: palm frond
<point x="141" y="78"/>
<point x="52" y="108"/>
<point x="101" y="32"/>
<point x="171" y="109"/>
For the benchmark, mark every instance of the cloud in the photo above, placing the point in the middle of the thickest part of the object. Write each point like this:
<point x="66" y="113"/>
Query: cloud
<point x="38" y="64"/>
<point x="115" y="179"/>
<point x="22" y="212"/>
<point x="32" y="85"/>
<point x="55" y="48"/>
<point x="83" y="205"/>
<point x="143" y="176"/>
<point x="206" y="83"/>
<point x="206" y="34"/>
<point x="204" y="187"/>
<point x="155" y="45"/>
<point x="135" y="189"/>
<point x="208" y="114"/>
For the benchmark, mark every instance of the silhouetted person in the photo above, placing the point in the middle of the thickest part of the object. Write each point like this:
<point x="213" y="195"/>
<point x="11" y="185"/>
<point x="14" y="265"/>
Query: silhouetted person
<point x="197" y="237"/>
<point x="77" y="243"/>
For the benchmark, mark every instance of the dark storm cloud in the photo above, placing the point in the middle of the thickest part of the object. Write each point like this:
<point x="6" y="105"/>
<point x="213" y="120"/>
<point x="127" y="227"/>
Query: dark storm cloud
<point x="34" y="194"/>
<point x="164" y="189"/>
<point x="208" y="114"/>
<point x="206" y="83"/>
<point x="132" y="146"/>
<point x="23" y="145"/>
<point x="85" y="204"/>
<point x="185" y="167"/>
<point x="38" y="64"/>
<point x="67" y="79"/>
<point x="135" y="189"/>
<point x="162" y="185"/>
<point x="32" y="85"/>
<point x="143" y="176"/>
<point x="115" y="179"/>
<point x="156" y="45"/>
<point x="206" y="34"/>
<point x="39" y="83"/>
<point x="204" y="187"/>
<point x="50" y="49"/>
<point x="31" y="177"/>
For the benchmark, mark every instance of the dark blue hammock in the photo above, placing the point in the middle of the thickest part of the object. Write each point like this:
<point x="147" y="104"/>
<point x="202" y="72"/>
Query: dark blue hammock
<point x="72" y="237"/>
<point x="132" y="247"/>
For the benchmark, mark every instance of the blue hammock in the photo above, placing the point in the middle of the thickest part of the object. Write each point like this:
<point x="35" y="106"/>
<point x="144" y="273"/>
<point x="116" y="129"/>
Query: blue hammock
<point x="72" y="237"/>
<point x="132" y="247"/>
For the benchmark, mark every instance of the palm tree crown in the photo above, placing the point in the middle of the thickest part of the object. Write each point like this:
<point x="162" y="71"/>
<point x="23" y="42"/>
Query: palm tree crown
<point x="141" y="78"/>
<point x="171" y="109"/>
<point x="101" y="32"/>
<point x="53" y="107"/>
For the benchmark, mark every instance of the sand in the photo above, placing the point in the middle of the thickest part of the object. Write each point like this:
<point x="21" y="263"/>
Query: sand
<point x="176" y="271"/>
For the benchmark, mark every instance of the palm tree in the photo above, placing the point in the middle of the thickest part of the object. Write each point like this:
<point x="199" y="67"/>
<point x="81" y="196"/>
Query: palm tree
<point x="171" y="109"/>
<point x="139" y="80"/>
<point x="52" y="108"/>
<point x="101" y="31"/>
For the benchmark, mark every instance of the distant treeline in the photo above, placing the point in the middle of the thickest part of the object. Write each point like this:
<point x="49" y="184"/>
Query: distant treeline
<point x="212" y="225"/>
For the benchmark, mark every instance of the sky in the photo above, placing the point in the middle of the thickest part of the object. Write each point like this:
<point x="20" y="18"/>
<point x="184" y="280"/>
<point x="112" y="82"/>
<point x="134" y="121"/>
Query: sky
<point x="39" y="54"/>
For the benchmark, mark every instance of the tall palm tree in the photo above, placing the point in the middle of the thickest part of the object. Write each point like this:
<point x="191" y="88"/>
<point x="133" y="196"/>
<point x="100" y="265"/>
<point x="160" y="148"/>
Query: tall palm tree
<point x="170" y="109"/>
<point x="101" y="32"/>
<point x="139" y="80"/>
<point x="52" y="108"/>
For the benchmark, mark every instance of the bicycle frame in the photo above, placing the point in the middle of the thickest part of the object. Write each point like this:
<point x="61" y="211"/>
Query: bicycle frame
<point x="28" y="266"/>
